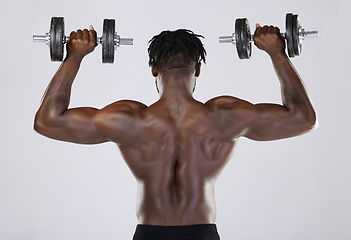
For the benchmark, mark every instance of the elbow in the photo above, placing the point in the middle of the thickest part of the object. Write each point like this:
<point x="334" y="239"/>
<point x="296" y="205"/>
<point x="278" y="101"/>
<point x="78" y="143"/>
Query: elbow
<point x="42" y="124"/>
<point x="312" y="120"/>
<point x="303" y="121"/>
<point x="38" y="125"/>
<point x="309" y="121"/>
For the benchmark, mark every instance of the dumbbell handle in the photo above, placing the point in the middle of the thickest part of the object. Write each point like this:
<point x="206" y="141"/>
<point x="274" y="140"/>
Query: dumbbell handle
<point x="302" y="34"/>
<point x="118" y="41"/>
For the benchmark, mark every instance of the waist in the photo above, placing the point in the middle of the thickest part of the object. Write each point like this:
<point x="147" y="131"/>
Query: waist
<point x="177" y="230"/>
<point x="172" y="215"/>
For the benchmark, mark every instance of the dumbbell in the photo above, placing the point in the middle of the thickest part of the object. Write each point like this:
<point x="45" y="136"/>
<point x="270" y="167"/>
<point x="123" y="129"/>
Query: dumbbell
<point x="294" y="36"/>
<point x="56" y="39"/>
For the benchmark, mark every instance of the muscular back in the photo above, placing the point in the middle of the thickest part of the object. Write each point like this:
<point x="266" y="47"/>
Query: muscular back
<point x="177" y="147"/>
<point x="175" y="150"/>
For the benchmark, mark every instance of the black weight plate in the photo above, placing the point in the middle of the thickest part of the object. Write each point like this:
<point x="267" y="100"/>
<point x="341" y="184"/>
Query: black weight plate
<point x="246" y="39"/>
<point x="57" y="32"/>
<point x="289" y="34"/>
<point x="296" y="39"/>
<point x="108" y="44"/>
<point x="238" y="33"/>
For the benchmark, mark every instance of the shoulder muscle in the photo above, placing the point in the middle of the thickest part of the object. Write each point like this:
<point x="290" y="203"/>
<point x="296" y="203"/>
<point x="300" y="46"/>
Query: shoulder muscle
<point x="233" y="114"/>
<point x="120" y="121"/>
<point x="227" y="103"/>
<point x="124" y="105"/>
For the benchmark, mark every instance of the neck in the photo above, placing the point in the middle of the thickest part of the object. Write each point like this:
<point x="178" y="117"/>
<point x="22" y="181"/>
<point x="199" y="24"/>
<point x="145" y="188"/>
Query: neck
<point x="176" y="87"/>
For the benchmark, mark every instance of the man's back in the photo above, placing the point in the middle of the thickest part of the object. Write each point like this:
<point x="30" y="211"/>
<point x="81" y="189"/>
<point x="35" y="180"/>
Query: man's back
<point x="177" y="152"/>
<point x="177" y="147"/>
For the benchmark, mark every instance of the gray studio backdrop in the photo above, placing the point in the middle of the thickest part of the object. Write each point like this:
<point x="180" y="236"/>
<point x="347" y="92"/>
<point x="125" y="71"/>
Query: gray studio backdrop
<point x="290" y="189"/>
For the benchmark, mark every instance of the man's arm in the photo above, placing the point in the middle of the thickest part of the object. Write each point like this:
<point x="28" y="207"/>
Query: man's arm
<point x="265" y="122"/>
<point x="297" y="115"/>
<point x="54" y="119"/>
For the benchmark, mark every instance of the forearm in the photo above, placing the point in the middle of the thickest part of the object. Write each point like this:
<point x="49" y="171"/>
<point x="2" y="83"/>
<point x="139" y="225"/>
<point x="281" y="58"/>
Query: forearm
<point x="294" y="95"/>
<point x="57" y="96"/>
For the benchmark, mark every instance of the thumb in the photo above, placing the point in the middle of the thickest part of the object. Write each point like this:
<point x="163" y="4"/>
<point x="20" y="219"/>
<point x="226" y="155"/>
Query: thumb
<point x="258" y="25"/>
<point x="91" y="28"/>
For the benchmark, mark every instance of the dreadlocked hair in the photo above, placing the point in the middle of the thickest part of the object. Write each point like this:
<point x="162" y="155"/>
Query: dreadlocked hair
<point x="176" y="49"/>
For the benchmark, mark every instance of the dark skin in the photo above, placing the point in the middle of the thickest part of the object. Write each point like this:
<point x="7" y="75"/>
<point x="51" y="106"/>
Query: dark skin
<point x="177" y="147"/>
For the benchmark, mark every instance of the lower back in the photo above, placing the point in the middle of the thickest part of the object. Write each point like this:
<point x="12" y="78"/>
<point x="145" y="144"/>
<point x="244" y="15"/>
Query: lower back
<point x="176" y="205"/>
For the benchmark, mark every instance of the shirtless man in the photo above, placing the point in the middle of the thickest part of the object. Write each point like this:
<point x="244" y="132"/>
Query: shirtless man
<point x="177" y="147"/>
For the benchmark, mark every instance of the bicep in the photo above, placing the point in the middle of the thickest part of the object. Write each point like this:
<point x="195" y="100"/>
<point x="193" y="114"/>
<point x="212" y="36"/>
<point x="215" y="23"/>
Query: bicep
<point x="261" y="122"/>
<point x="273" y="122"/>
<point x="75" y="125"/>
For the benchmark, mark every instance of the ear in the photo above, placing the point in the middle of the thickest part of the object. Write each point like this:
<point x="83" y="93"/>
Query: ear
<point x="154" y="71"/>
<point x="198" y="69"/>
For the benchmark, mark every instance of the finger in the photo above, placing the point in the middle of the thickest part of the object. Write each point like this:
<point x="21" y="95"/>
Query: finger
<point x="86" y="34"/>
<point x="265" y="29"/>
<point x="92" y="34"/>
<point x="79" y="34"/>
<point x="72" y="35"/>
<point x="258" y="29"/>
<point x="271" y="29"/>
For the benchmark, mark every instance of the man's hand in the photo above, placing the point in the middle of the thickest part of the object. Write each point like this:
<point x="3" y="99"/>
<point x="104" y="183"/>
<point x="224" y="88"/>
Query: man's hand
<point x="268" y="39"/>
<point x="81" y="43"/>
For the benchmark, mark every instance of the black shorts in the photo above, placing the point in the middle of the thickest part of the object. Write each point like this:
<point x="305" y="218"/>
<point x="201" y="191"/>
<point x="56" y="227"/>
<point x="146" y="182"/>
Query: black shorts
<point x="188" y="232"/>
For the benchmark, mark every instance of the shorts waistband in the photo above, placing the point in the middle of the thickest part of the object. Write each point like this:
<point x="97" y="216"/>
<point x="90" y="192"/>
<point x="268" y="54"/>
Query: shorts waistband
<point x="184" y="229"/>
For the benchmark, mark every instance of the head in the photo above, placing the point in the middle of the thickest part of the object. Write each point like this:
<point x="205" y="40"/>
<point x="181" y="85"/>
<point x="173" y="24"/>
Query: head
<point x="176" y="53"/>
